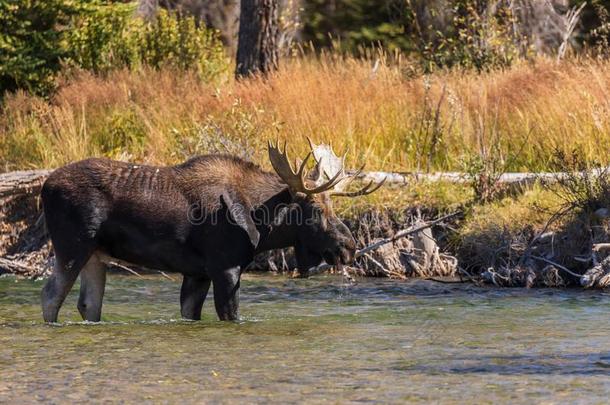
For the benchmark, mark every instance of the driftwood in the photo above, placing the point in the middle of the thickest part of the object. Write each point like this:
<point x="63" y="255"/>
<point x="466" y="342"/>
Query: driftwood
<point x="22" y="182"/>
<point x="400" y="234"/>
<point x="16" y="267"/>
<point x="517" y="179"/>
<point x="597" y="276"/>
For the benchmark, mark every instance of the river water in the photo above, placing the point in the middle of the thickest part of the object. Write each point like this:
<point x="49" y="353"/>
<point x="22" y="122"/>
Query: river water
<point x="310" y="341"/>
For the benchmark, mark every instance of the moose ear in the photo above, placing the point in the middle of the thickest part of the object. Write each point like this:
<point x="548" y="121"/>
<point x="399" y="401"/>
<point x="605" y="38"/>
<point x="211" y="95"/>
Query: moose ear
<point x="241" y="216"/>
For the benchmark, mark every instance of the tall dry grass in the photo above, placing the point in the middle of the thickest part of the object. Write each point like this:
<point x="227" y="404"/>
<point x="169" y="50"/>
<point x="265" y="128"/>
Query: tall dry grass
<point x="386" y="117"/>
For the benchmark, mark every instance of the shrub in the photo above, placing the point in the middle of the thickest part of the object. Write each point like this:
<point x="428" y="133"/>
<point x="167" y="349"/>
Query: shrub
<point x="124" y="133"/>
<point x="348" y="25"/>
<point x="37" y="36"/>
<point x="475" y="36"/>
<point x="30" y="35"/>
<point x="98" y="31"/>
<point x="467" y="33"/>
<point x="108" y="36"/>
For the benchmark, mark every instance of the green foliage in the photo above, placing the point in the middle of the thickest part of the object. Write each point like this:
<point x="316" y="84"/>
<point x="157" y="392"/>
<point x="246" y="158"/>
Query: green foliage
<point x="95" y="41"/>
<point x="474" y="37"/>
<point x="37" y="36"/>
<point x="349" y="24"/>
<point x="31" y="32"/>
<point x="123" y="132"/>
<point x="467" y="34"/>
<point x="108" y="36"/>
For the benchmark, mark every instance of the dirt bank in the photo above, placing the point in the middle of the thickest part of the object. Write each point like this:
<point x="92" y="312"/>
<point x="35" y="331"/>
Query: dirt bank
<point x="25" y="249"/>
<point x="24" y="246"/>
<point x="499" y="243"/>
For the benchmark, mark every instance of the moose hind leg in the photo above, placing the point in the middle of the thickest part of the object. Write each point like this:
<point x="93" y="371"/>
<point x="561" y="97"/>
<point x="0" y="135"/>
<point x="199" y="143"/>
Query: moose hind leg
<point x="226" y="294"/>
<point x="59" y="285"/>
<point x="192" y="295"/>
<point x="92" y="286"/>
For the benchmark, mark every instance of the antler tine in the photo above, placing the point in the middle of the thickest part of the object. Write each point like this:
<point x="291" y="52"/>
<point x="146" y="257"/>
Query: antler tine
<point x="328" y="185"/>
<point x="352" y="177"/>
<point x="312" y="145"/>
<point x="294" y="179"/>
<point x="363" y="191"/>
<point x="318" y="171"/>
<point x="281" y="165"/>
<point x="358" y="172"/>
<point x="301" y="173"/>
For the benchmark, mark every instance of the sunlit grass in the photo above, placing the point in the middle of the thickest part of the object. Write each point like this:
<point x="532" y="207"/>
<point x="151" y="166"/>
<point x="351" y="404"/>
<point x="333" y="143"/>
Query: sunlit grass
<point x="387" y="118"/>
<point x="441" y="196"/>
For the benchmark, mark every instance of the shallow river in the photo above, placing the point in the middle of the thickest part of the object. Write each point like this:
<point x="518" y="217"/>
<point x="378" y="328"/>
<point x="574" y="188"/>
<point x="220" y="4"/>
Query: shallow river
<point x="310" y="340"/>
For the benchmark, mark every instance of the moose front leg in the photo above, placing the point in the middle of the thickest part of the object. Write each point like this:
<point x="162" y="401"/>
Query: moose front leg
<point x="226" y="293"/>
<point x="192" y="295"/>
<point x="92" y="285"/>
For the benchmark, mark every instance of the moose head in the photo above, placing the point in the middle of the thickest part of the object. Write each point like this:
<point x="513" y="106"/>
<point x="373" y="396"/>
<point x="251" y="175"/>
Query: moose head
<point x="319" y="233"/>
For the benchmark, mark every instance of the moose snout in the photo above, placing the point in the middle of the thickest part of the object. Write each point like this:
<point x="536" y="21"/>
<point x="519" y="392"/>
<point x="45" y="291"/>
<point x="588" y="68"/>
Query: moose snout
<point x="347" y="256"/>
<point x="339" y="255"/>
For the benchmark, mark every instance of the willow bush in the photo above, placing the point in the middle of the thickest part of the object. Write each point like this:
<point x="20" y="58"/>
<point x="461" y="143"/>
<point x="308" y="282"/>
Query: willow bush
<point x="109" y="36"/>
<point x="37" y="38"/>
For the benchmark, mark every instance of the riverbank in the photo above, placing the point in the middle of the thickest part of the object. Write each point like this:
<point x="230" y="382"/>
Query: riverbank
<point x="537" y="115"/>
<point x="526" y="238"/>
<point x="25" y="248"/>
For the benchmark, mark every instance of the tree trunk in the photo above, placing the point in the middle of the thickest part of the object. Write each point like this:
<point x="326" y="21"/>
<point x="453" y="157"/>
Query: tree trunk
<point x="257" y="48"/>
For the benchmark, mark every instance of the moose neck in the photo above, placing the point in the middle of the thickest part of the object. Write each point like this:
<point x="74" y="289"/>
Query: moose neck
<point x="274" y="223"/>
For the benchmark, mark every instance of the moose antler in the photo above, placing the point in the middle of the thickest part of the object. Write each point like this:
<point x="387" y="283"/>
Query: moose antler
<point x="296" y="180"/>
<point x="331" y="165"/>
<point x="328" y="163"/>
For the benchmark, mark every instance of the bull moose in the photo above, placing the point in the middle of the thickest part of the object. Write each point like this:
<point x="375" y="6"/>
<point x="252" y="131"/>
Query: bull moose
<point x="205" y="218"/>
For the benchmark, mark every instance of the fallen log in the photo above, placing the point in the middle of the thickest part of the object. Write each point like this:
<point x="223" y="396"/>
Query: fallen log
<point x="30" y="181"/>
<point x="22" y="182"/>
<point x="523" y="179"/>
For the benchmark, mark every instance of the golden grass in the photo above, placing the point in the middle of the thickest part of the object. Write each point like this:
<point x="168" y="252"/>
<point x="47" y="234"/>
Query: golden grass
<point x="386" y="119"/>
<point x="440" y="196"/>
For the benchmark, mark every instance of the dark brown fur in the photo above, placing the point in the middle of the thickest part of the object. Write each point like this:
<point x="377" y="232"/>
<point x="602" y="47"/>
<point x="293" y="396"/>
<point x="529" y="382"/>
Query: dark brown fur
<point x="99" y="208"/>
